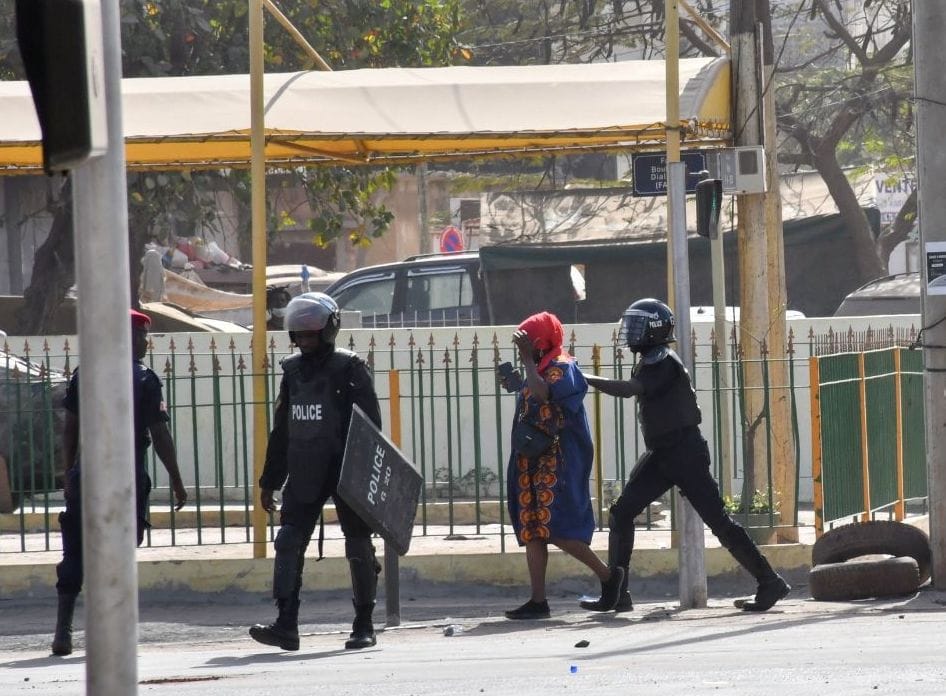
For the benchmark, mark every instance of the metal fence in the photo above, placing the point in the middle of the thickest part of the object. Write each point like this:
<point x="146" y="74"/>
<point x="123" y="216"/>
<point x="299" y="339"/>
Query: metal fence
<point x="868" y="440"/>
<point x="454" y="423"/>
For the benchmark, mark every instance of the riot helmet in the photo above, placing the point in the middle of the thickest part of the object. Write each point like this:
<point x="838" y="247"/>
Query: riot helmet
<point x="313" y="311"/>
<point x="645" y="324"/>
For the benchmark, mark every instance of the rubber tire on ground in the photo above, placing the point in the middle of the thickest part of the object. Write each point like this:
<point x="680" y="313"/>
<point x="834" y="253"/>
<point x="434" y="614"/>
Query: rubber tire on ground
<point x="883" y="537"/>
<point x="887" y="577"/>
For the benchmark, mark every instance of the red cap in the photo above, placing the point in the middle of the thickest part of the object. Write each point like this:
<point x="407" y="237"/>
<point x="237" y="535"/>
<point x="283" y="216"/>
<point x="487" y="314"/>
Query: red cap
<point x="140" y="320"/>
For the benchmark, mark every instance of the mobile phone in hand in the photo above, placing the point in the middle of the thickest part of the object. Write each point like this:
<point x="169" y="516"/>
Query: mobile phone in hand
<point x="509" y="377"/>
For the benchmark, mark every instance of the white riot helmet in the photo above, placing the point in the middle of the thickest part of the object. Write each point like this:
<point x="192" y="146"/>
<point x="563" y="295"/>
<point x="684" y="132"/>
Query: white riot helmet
<point x="313" y="311"/>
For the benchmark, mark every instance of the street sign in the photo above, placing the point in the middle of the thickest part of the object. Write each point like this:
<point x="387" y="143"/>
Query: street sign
<point x="379" y="483"/>
<point x="650" y="172"/>
<point x="451" y="240"/>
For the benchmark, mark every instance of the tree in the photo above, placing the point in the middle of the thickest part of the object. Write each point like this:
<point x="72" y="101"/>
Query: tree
<point x="508" y="32"/>
<point x="190" y="37"/>
<point x="845" y="102"/>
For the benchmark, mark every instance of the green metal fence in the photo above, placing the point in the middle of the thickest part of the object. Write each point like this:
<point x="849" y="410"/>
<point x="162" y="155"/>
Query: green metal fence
<point x="868" y="433"/>
<point x="454" y="426"/>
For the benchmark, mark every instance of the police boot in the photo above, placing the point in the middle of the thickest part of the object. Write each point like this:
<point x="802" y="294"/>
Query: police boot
<point x="364" y="585"/>
<point x="62" y="640"/>
<point x="362" y="628"/>
<point x="284" y="632"/>
<point x="622" y="596"/>
<point x="772" y="587"/>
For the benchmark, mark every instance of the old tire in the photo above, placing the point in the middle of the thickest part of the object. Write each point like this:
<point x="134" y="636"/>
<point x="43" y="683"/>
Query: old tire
<point x="880" y="537"/>
<point x="888" y="577"/>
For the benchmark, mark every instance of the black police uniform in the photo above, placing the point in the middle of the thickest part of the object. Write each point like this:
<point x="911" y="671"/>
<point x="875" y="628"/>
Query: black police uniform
<point x="677" y="455"/>
<point x="149" y="409"/>
<point x="305" y="452"/>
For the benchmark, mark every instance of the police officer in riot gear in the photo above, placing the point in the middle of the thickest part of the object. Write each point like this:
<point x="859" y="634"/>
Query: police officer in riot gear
<point x="319" y="386"/>
<point x="676" y="455"/>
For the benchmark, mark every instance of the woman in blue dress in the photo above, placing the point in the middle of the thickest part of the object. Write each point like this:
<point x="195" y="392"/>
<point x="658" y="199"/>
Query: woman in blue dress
<point x="549" y="496"/>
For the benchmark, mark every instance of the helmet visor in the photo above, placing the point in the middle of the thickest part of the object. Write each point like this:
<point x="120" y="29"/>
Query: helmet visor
<point x="634" y="326"/>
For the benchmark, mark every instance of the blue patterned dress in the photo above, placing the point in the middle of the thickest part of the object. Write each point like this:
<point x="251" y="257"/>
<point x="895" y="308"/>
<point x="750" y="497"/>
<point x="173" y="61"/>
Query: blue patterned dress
<point x="549" y="497"/>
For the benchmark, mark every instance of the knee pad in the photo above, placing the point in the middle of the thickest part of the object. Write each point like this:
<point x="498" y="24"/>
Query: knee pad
<point x="289" y="539"/>
<point x="360" y="548"/>
<point x="619" y="518"/>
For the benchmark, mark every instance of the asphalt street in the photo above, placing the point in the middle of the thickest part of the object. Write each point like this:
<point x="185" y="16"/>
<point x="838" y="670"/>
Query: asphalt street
<point x="199" y="645"/>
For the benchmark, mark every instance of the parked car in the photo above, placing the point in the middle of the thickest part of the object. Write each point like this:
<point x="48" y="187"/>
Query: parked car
<point x="893" y="294"/>
<point x="429" y="290"/>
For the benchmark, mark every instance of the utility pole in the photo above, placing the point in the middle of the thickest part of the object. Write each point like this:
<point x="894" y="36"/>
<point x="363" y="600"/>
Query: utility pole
<point x="929" y="56"/>
<point x="109" y="520"/>
<point x="784" y="474"/>
<point x="258" y="223"/>
<point x="754" y="313"/>
<point x="692" y="582"/>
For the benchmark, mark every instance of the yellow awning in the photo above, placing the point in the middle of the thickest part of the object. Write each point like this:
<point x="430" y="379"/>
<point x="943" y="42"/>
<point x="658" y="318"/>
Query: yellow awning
<point x="397" y="115"/>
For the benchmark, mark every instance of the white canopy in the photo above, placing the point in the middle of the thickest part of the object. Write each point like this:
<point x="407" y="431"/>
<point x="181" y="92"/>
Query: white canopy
<point x="397" y="115"/>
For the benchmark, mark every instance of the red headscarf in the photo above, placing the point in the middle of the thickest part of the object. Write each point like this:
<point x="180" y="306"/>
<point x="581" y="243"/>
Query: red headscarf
<point x="140" y="320"/>
<point x="547" y="335"/>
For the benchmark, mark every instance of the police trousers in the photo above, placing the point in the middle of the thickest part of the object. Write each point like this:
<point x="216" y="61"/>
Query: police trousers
<point x="297" y="523"/>
<point x="69" y="575"/>
<point x="681" y="460"/>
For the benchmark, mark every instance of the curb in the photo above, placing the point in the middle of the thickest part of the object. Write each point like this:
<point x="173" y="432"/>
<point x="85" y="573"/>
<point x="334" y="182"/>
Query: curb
<point x="332" y="573"/>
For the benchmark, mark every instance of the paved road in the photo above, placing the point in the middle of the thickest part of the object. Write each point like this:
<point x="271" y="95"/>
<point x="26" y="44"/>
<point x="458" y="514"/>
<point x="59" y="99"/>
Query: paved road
<point x="801" y="647"/>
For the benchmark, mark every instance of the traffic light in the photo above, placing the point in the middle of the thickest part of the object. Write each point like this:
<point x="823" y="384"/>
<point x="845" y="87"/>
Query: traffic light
<point x="61" y="45"/>
<point x="709" y="198"/>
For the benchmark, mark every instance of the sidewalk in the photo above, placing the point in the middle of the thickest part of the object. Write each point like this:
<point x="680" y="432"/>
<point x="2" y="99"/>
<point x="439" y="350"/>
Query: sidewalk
<point x="220" y="559"/>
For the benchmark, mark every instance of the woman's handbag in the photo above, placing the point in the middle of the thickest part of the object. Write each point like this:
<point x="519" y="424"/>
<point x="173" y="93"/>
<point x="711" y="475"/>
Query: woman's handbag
<point x="530" y="441"/>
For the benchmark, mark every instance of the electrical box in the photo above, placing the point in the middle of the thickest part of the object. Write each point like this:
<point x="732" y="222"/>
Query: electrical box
<point x="742" y="169"/>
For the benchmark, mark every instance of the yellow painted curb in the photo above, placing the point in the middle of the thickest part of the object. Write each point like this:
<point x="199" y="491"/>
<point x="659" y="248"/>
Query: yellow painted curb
<point x="508" y="569"/>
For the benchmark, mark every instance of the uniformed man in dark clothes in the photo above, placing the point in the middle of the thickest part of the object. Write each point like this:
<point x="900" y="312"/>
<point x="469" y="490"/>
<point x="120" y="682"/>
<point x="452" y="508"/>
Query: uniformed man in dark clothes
<point x="151" y="425"/>
<point x="319" y="386"/>
<point x="676" y="455"/>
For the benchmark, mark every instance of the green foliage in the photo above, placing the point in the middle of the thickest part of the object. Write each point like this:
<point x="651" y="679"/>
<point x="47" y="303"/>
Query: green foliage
<point x="204" y="37"/>
<point x="758" y="503"/>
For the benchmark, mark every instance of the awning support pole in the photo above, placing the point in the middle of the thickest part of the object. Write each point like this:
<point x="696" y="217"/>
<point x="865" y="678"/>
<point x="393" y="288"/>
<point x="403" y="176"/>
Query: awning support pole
<point x="258" y="227"/>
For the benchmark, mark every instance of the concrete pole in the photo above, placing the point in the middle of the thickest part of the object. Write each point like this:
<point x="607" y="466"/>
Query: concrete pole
<point x="690" y="527"/>
<point x="929" y="51"/>
<point x="785" y="473"/>
<point x="105" y="399"/>
<point x="258" y="223"/>
<point x="721" y="329"/>
<point x="752" y="244"/>
<point x="692" y="579"/>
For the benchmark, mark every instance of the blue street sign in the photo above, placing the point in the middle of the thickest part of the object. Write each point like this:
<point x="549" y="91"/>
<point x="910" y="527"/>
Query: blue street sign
<point x="650" y="172"/>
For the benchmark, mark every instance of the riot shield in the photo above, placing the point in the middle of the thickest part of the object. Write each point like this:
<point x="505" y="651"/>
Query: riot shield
<point x="379" y="482"/>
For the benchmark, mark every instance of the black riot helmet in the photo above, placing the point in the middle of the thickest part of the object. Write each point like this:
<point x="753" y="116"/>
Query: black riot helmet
<point x="647" y="323"/>
<point x="313" y="311"/>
